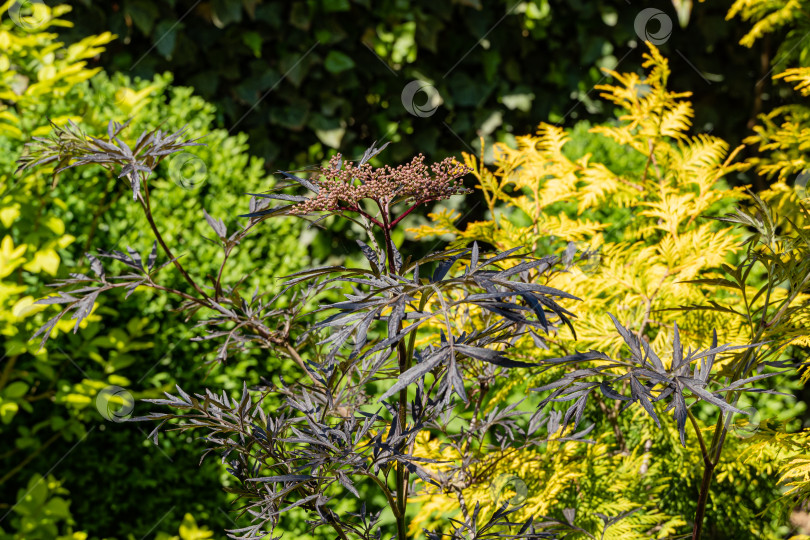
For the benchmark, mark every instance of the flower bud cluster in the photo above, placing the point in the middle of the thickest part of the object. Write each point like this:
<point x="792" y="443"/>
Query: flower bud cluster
<point x="343" y="186"/>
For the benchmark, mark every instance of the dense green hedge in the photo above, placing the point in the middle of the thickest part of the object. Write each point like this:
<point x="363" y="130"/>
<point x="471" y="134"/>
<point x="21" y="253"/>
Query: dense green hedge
<point x="301" y="77"/>
<point x="140" y="347"/>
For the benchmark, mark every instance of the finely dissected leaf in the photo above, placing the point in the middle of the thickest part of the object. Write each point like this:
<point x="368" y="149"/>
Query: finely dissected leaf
<point x="416" y="372"/>
<point x="696" y="388"/>
<point x="361" y="331"/>
<point x="680" y="413"/>
<point x="83" y="309"/>
<point x="256" y="212"/>
<point x="554" y="418"/>
<point x="537" y="307"/>
<point x="474" y="257"/>
<point x="503" y="255"/>
<point x="644" y="377"/>
<point x="370" y="254"/>
<point x="630" y="339"/>
<point x="95" y="265"/>
<point x="135" y="264"/>
<point x="373" y="151"/>
<point x="135" y="257"/>
<point x="493" y="357"/>
<point x="741" y="382"/>
<point x="677" y="349"/>
<point x="443" y="268"/>
<point x="397" y="313"/>
<point x="639" y="393"/>
<point x="150" y="261"/>
<point x="282" y="478"/>
<point x="576" y="410"/>
<point x="217" y="225"/>
<point x="522" y="267"/>
<point x="650" y="353"/>
<point x="397" y="258"/>
<point x="45" y="330"/>
<point x="306" y="183"/>
<point x="279" y="196"/>
<point x="611" y="393"/>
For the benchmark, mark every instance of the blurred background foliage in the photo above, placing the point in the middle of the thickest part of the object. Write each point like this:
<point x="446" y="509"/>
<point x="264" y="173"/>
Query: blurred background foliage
<point x="274" y="84"/>
<point x="303" y="78"/>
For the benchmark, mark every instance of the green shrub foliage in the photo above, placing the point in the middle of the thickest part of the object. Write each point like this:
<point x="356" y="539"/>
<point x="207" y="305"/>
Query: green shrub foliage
<point x="49" y="406"/>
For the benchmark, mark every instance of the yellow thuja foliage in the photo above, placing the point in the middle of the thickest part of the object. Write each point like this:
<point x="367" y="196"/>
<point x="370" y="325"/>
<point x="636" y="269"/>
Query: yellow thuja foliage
<point x="543" y="475"/>
<point x="801" y="76"/>
<point x="783" y="135"/>
<point x="642" y="235"/>
<point x="782" y="138"/>
<point x="767" y="15"/>
<point x="605" y="482"/>
<point x="644" y="262"/>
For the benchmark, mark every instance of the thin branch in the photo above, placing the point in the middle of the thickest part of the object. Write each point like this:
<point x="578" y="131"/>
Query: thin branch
<point x="703" y="450"/>
<point x="148" y="211"/>
<point x="408" y="211"/>
<point x="385" y="490"/>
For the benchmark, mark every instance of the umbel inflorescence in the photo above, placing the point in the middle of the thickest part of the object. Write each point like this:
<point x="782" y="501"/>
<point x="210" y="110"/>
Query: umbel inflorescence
<point x="343" y="186"/>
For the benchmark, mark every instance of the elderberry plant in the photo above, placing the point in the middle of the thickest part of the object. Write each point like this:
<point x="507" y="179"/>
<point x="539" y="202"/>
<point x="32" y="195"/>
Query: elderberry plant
<point x="374" y="372"/>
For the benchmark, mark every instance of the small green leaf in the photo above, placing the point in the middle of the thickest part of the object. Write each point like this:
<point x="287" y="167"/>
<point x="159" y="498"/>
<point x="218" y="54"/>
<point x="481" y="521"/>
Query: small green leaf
<point x="57" y="507"/>
<point x="254" y="42"/>
<point x="165" y="37"/>
<point x="7" y="411"/>
<point x="337" y="62"/>
<point x="225" y="12"/>
<point x="15" y="390"/>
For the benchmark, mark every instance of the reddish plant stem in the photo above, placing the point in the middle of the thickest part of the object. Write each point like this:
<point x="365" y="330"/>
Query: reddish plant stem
<point x="408" y="211"/>
<point x="364" y="214"/>
<point x="402" y="474"/>
<point x="703" y="499"/>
